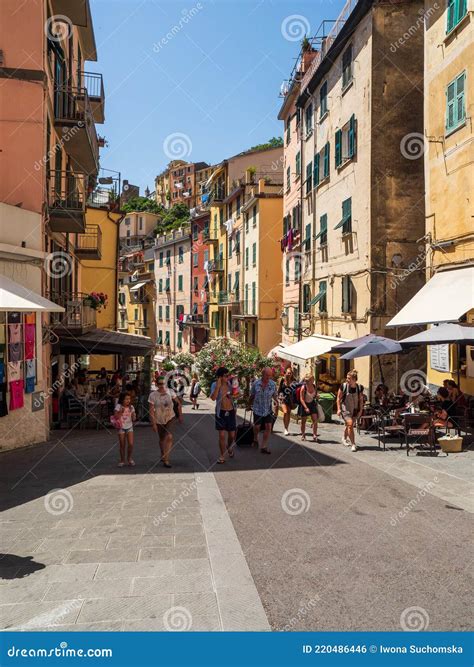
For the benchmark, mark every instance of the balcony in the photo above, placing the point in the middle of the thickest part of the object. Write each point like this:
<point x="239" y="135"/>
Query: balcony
<point x="170" y="237"/>
<point x="94" y="85"/>
<point x="201" y="320"/>
<point x="78" y="318"/>
<point x="89" y="244"/>
<point x="223" y="298"/>
<point x="73" y="115"/>
<point x="66" y="202"/>
<point x="210" y="235"/>
<point x="218" y="194"/>
<point x="216" y="266"/>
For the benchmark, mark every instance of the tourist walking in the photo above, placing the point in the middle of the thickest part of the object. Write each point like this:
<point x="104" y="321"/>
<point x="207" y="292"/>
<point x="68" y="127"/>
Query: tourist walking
<point x="194" y="391"/>
<point x="350" y="402"/>
<point x="225" y="420"/>
<point x="161" y="416"/>
<point x="286" y="390"/>
<point x="308" y="406"/>
<point x="263" y="398"/>
<point x="124" y="414"/>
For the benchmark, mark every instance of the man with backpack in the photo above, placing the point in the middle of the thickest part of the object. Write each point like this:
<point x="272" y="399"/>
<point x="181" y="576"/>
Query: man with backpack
<point x="350" y="403"/>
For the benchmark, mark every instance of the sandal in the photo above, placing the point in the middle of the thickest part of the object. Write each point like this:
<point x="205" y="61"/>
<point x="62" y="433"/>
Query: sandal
<point x="221" y="460"/>
<point x="303" y="436"/>
<point x="166" y="464"/>
<point x="131" y="462"/>
<point x="264" y="450"/>
<point x="230" y="452"/>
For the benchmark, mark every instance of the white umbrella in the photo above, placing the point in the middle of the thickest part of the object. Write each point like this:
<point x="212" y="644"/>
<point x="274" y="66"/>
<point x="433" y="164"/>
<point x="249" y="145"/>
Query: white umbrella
<point x="442" y="333"/>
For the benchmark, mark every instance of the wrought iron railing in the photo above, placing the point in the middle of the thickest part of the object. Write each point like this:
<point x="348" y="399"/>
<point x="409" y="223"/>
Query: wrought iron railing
<point x="90" y="240"/>
<point x="66" y="191"/>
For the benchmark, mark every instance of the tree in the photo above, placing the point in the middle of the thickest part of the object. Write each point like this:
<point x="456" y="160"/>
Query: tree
<point x="173" y="218"/>
<point x="142" y="204"/>
<point x="274" y="142"/>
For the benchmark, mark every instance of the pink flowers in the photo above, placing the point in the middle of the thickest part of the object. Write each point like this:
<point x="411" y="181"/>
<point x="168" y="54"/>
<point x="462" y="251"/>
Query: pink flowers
<point x="96" y="300"/>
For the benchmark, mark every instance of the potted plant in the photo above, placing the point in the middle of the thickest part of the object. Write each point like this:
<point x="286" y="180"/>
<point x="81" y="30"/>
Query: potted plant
<point x="96" y="300"/>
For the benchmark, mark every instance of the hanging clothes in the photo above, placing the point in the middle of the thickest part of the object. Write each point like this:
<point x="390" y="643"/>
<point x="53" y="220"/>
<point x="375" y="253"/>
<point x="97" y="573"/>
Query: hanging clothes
<point x="16" y="395"/>
<point x="30" y="332"/>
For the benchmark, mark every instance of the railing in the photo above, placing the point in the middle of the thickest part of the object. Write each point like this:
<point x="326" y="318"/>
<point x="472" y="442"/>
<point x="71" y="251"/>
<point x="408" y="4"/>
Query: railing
<point x="66" y="191"/>
<point x="93" y="83"/>
<point x="216" y="265"/>
<point x="78" y="315"/>
<point x="90" y="242"/>
<point x="223" y="297"/>
<point x="72" y="104"/>
<point x="175" y="235"/>
<point x="104" y="198"/>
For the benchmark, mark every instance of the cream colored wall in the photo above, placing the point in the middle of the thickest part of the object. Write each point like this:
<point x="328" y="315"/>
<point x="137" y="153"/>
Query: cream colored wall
<point x="148" y="224"/>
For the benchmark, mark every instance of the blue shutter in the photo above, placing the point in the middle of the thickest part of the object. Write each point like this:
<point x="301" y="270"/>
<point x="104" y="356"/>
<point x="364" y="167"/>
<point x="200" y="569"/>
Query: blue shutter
<point x="461" y="10"/>
<point x="338" y="148"/>
<point x="352" y="136"/>
<point x="451" y="15"/>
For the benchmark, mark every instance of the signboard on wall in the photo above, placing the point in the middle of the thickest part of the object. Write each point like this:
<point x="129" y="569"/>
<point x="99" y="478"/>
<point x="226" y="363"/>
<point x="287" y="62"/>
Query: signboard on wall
<point x="439" y="358"/>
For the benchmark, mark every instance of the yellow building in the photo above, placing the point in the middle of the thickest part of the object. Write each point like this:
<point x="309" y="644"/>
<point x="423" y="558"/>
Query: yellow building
<point x="218" y="250"/>
<point x="449" y="172"/>
<point x="97" y="250"/>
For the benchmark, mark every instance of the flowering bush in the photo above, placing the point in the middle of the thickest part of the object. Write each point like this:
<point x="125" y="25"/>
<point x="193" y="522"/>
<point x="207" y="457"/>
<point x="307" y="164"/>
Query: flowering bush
<point x="96" y="300"/>
<point x="183" y="359"/>
<point x="244" y="362"/>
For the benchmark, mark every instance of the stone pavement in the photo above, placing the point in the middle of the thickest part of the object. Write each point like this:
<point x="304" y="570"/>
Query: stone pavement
<point x="97" y="548"/>
<point x="206" y="547"/>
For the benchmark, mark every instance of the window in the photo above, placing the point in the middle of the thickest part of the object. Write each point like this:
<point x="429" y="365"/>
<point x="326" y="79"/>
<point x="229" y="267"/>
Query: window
<point x="254" y="254"/>
<point x="140" y="222"/>
<point x="246" y="223"/>
<point x="326" y="160"/>
<point x="160" y="285"/>
<point x="254" y="298"/>
<point x="206" y="256"/>
<point x="195" y="232"/>
<point x="229" y="252"/>
<point x="308" y="120"/>
<point x="238" y="205"/>
<point x="296" y="319"/>
<point x="221" y="215"/>
<point x="306" y="298"/>
<point x="168" y="258"/>
<point x="323" y="230"/>
<point x="457" y="10"/>
<point x="455" y="102"/>
<point x="323" y="100"/>
<point x="347" y="293"/>
<point x="246" y="258"/>
<point x="195" y="259"/>
<point x="346" y="221"/>
<point x="322" y="300"/>
<point x="180" y="254"/>
<point x="167" y="285"/>
<point x="346" y="142"/>
<point x="160" y="312"/>
<point x="298" y="164"/>
<point x="246" y="301"/>
<point x="159" y="339"/>
<point x="179" y="340"/>
<point x="288" y="130"/>
<point x="254" y="216"/>
<point x="307" y="237"/>
<point x="237" y="242"/>
<point x="167" y="337"/>
<point x="151" y="266"/>
<point x="135" y="315"/>
<point x="316" y="170"/>
<point x="309" y="178"/>
<point x="287" y="272"/>
<point x="288" y="179"/>
<point x="161" y="259"/>
<point x="347" y="67"/>
<point x="237" y="285"/>
<point x="167" y="313"/>
<point x="180" y="283"/>
<point x="229" y="282"/>
<point x="195" y="283"/>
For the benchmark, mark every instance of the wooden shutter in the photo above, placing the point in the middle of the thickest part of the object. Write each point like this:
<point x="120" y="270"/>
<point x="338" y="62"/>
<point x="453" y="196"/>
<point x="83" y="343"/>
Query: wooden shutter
<point x="352" y="136"/>
<point x="460" y="107"/>
<point x="338" y="148"/>
<point x="450" y="105"/>
<point x="316" y="170"/>
<point x="326" y="160"/>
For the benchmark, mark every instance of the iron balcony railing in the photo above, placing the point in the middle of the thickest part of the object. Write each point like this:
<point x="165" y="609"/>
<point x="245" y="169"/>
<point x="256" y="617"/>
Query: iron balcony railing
<point x="78" y="315"/>
<point x="72" y="105"/>
<point x="216" y="265"/>
<point x="93" y="83"/>
<point x="66" y="191"/>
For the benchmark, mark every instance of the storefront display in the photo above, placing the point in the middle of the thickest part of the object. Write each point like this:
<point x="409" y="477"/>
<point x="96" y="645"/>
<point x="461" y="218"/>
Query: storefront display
<point x="17" y="359"/>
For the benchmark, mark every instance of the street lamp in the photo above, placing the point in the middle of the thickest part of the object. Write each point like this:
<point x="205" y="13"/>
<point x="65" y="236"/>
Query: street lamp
<point x="284" y="318"/>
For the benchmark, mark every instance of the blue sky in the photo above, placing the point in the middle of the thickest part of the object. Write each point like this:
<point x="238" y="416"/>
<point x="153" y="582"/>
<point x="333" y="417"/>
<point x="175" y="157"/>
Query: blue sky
<point x="210" y="70"/>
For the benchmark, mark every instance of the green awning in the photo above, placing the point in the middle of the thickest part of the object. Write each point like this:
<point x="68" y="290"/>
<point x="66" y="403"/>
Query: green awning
<point x="318" y="297"/>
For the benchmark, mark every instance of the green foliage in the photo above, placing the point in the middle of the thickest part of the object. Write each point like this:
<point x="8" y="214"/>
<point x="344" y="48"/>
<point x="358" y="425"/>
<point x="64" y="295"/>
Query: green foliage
<point x="245" y="362"/>
<point x="183" y="359"/>
<point x="274" y="142"/>
<point x="167" y="366"/>
<point x="142" y="204"/>
<point x="172" y="218"/>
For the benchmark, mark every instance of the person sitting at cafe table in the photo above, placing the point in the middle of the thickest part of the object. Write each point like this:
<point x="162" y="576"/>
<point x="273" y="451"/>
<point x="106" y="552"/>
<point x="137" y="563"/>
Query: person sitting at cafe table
<point x="381" y="396"/>
<point x="456" y="396"/>
<point x="444" y="409"/>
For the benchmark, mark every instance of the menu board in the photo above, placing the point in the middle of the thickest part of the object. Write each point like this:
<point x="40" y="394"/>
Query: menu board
<point x="439" y="358"/>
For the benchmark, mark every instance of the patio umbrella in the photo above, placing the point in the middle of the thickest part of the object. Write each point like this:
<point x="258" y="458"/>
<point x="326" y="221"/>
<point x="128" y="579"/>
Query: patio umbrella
<point x="351" y="344"/>
<point x="442" y="333"/>
<point x="374" y="347"/>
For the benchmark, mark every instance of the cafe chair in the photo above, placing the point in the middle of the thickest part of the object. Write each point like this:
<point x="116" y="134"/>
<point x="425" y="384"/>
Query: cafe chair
<point x="420" y="429"/>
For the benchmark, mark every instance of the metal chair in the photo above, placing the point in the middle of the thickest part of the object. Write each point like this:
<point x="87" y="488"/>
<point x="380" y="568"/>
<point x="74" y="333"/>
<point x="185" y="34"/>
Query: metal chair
<point x="420" y="427"/>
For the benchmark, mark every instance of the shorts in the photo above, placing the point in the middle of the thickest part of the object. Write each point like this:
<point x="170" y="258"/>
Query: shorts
<point x="261" y="420"/>
<point x="163" y="429"/>
<point x="348" y="415"/>
<point x="225" y="421"/>
<point x="126" y="429"/>
<point x="313" y="409"/>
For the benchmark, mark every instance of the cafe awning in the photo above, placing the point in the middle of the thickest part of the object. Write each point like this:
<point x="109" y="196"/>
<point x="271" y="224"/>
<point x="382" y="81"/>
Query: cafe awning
<point x="102" y="341"/>
<point x="446" y="297"/>
<point x="16" y="297"/>
<point x="308" y="348"/>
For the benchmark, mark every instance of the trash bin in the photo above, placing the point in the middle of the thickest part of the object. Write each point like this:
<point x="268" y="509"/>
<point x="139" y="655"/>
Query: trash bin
<point x="326" y="401"/>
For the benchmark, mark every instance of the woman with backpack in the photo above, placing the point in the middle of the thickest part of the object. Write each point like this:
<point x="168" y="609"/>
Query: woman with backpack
<point x="286" y="389"/>
<point x="194" y="391"/>
<point x="350" y="403"/>
<point x="308" y="405"/>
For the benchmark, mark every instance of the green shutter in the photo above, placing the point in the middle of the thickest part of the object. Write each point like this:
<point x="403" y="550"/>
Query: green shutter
<point x="352" y="136"/>
<point x="338" y="148"/>
<point x="316" y="170"/>
<point x="309" y="174"/>
<point x="451" y="15"/>
<point x="180" y="283"/>
<point x="461" y="10"/>
<point x="307" y="240"/>
<point x="347" y="215"/>
<point x="326" y="160"/>
<point x="455" y="102"/>
<point x="460" y="108"/>
<point x="450" y="109"/>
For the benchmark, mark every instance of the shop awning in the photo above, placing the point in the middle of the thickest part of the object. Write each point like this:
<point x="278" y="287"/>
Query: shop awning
<point x="276" y="350"/>
<point x="310" y="347"/>
<point x="138" y="285"/>
<point x="446" y="297"/>
<point x="14" y="296"/>
<point x="102" y="341"/>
